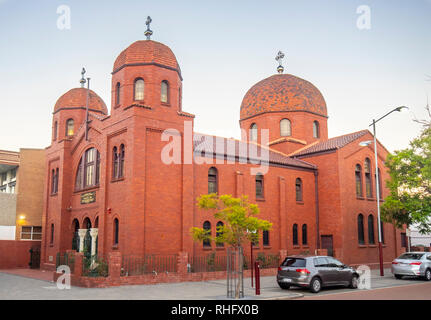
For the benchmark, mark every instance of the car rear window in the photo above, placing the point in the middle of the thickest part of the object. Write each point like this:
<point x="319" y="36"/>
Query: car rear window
<point x="293" y="262"/>
<point x="411" y="256"/>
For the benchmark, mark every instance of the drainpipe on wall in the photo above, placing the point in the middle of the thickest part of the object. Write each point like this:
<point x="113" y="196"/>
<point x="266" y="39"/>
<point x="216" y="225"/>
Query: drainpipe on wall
<point x="316" y="192"/>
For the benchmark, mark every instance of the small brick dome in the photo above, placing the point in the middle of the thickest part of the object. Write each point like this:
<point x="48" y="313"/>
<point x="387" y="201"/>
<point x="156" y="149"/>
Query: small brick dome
<point x="282" y="92"/>
<point x="147" y="52"/>
<point x="77" y="98"/>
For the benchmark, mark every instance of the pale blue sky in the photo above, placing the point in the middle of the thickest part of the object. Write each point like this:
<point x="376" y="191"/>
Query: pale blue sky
<point x="223" y="47"/>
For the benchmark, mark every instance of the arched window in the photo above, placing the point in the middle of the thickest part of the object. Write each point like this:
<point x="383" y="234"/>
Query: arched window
<point x="371" y="229"/>
<point x="88" y="173"/>
<point x="298" y="188"/>
<point x="54" y="135"/>
<point x="219" y="232"/>
<point x="316" y="129"/>
<point x="295" y="234"/>
<point x="70" y="127"/>
<point x="75" y="238"/>
<point x="121" y="163"/>
<point x="253" y="132"/>
<point x="52" y="234"/>
<point x="265" y="237"/>
<point x="285" y="128"/>
<point x="207" y="228"/>
<point x="368" y="183"/>
<point x="54" y="181"/>
<point x="358" y="179"/>
<point x="116" y="231"/>
<point x="259" y="186"/>
<point x="115" y="161"/>
<point x="212" y="180"/>
<point x="139" y="89"/>
<point x="87" y="224"/>
<point x="117" y="94"/>
<point x="164" y="92"/>
<point x="361" y="237"/>
<point x="304" y="234"/>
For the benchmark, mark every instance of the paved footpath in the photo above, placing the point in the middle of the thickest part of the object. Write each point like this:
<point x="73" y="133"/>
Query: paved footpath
<point x="21" y="284"/>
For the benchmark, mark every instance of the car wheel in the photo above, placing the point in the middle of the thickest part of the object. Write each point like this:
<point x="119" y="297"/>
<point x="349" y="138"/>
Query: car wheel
<point x="315" y="285"/>
<point x="354" y="282"/>
<point x="428" y="275"/>
<point x="284" y="286"/>
<point x="397" y="276"/>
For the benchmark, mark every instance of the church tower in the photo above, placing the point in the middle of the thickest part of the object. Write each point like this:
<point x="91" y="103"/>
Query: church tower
<point x="292" y="109"/>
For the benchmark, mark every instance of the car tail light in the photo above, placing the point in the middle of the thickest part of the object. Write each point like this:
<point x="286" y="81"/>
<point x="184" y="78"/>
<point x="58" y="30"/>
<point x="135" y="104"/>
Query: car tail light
<point x="394" y="262"/>
<point x="279" y="269"/>
<point x="415" y="263"/>
<point x="303" y="271"/>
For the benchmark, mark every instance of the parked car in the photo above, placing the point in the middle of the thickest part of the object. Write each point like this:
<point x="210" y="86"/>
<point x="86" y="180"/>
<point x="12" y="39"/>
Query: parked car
<point x="315" y="272"/>
<point x="416" y="264"/>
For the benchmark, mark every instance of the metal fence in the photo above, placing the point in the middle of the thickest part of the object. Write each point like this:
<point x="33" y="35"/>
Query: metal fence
<point x="267" y="260"/>
<point x="208" y="263"/>
<point x="65" y="259"/>
<point x="218" y="262"/>
<point x="138" y="265"/>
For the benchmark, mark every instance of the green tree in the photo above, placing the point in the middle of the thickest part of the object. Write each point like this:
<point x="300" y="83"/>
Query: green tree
<point x="240" y="223"/>
<point x="409" y="201"/>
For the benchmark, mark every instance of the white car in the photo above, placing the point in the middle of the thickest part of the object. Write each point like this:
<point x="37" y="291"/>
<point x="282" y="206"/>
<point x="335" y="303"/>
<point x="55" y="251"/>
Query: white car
<point x="416" y="264"/>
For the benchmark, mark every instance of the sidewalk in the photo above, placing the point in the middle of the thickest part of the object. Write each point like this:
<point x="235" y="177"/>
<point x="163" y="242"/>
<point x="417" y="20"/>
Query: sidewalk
<point x="21" y="284"/>
<point x="17" y="285"/>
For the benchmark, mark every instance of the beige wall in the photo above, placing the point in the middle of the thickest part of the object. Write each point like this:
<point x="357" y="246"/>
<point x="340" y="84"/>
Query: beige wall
<point x="7" y="209"/>
<point x="30" y="186"/>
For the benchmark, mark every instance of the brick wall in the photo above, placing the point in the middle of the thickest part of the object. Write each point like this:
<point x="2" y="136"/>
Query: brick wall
<point x="15" y="254"/>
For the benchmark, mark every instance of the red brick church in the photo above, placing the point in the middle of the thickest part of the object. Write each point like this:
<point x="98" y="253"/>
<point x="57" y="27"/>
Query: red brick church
<point x="108" y="188"/>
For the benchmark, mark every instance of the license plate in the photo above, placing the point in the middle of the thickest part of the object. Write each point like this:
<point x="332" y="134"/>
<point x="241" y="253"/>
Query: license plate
<point x="287" y="280"/>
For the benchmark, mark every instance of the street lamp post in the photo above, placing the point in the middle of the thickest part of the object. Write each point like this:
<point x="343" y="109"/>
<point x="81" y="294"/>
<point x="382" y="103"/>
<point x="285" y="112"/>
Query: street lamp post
<point x="378" y="187"/>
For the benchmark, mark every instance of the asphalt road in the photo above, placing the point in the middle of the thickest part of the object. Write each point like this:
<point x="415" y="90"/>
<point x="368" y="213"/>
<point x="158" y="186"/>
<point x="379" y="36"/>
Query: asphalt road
<point x="417" y="291"/>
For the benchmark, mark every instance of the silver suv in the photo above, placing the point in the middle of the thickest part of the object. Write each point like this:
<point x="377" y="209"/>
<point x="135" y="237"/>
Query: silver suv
<point x="416" y="264"/>
<point x="315" y="272"/>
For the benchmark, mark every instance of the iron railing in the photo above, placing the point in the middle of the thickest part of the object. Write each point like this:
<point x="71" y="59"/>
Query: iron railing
<point x="267" y="260"/>
<point x="65" y="259"/>
<point x="138" y="265"/>
<point x="208" y="263"/>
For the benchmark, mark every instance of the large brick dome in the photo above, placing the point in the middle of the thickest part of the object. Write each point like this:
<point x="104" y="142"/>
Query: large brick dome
<point x="282" y="92"/>
<point x="147" y="52"/>
<point x="77" y="98"/>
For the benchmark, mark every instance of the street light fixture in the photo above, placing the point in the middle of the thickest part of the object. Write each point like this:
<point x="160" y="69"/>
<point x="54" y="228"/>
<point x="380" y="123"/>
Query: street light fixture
<point x="367" y="143"/>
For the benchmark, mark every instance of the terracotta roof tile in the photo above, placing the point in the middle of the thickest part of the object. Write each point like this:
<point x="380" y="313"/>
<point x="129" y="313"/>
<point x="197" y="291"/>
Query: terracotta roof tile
<point x="147" y="51"/>
<point x="77" y="98"/>
<point x="330" y="144"/>
<point x="219" y="146"/>
<point x="282" y="92"/>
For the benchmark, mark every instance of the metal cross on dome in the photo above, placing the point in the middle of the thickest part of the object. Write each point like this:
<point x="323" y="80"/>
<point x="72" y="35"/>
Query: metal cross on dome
<point x="148" y="32"/>
<point x="278" y="58"/>
<point x="82" y="81"/>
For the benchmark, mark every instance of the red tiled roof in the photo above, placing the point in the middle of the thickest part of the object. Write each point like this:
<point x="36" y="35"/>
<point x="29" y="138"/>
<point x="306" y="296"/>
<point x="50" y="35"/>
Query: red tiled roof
<point x="330" y="144"/>
<point x="147" y="51"/>
<point x="282" y="92"/>
<point x="219" y="146"/>
<point x="77" y="98"/>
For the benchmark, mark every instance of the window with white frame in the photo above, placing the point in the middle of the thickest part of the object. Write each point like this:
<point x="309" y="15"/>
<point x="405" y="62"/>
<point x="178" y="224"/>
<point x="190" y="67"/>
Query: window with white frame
<point x="31" y="233"/>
